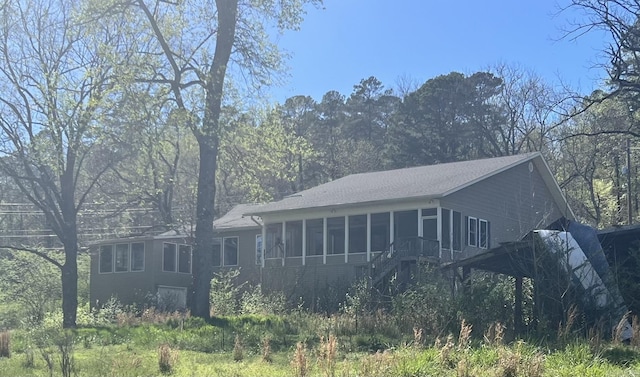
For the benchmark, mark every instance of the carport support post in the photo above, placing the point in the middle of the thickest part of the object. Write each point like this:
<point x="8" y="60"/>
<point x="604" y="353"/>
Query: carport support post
<point x="517" y="308"/>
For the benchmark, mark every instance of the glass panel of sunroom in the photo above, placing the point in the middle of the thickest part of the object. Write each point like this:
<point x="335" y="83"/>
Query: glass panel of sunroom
<point x="315" y="237"/>
<point x="380" y="231"/>
<point x="335" y="235"/>
<point x="358" y="234"/>
<point x="293" y="241"/>
<point x="273" y="245"/>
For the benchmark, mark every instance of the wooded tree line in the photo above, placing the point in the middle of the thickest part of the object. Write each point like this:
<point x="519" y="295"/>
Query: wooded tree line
<point x="116" y="116"/>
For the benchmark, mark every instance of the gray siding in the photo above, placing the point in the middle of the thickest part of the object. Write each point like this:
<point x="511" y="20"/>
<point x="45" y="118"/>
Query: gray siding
<point x="515" y="202"/>
<point x="249" y="270"/>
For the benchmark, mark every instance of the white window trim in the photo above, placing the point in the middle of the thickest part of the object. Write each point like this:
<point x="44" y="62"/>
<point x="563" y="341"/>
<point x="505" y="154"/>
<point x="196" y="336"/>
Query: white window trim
<point x="486" y="240"/>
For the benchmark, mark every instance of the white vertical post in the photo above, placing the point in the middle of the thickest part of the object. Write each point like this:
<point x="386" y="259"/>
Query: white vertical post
<point x="368" y="237"/>
<point x="346" y="239"/>
<point x="284" y="240"/>
<point x="439" y="230"/>
<point x="264" y="242"/>
<point x="325" y="236"/>
<point x="304" y="241"/>
<point x="392" y="224"/>
<point x="420" y="224"/>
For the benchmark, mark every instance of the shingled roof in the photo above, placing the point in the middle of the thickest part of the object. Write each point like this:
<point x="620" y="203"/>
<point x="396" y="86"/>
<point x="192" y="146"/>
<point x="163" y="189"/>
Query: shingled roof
<point x="433" y="181"/>
<point x="235" y="219"/>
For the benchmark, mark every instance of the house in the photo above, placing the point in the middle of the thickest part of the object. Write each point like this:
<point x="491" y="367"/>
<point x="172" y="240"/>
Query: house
<point x="317" y="242"/>
<point x="142" y="269"/>
<point x="372" y="224"/>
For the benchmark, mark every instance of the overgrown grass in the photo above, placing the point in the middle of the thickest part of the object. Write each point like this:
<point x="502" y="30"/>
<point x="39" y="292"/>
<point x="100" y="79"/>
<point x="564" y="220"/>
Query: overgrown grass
<point x="194" y="348"/>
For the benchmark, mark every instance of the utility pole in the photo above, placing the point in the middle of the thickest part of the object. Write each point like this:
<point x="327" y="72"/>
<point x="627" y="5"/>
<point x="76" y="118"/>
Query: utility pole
<point x="629" y="202"/>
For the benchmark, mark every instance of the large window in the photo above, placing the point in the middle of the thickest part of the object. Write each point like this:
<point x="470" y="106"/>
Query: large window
<point x="122" y="257"/>
<point x="225" y="251"/>
<point x="106" y="258"/>
<point x="335" y="235"/>
<point x="380" y="231"/>
<point x="430" y="224"/>
<point x="451" y="229"/>
<point x="169" y="257"/>
<point x="478" y="233"/>
<point x="137" y="256"/>
<point x="358" y="234"/>
<point x="293" y="242"/>
<point x="230" y="252"/>
<point x="184" y="259"/>
<point x="314" y="237"/>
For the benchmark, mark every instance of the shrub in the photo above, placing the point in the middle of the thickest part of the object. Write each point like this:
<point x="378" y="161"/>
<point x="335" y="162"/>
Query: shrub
<point x="266" y="350"/>
<point x="238" y="351"/>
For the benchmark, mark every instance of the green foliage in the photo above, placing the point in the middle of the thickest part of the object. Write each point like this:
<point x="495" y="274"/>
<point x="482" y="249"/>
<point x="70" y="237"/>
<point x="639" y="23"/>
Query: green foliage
<point x="30" y="285"/>
<point x="225" y="292"/>
<point x="254" y="301"/>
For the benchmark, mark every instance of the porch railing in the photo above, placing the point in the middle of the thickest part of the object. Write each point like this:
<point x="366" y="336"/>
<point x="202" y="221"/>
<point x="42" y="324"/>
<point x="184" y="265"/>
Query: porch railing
<point x="403" y="248"/>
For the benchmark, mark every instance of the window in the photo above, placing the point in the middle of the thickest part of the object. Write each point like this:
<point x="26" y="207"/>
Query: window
<point x="258" y="249"/>
<point x="106" y="258"/>
<point x="483" y="234"/>
<point x="122" y="257"/>
<point x="217" y="252"/>
<point x="230" y="255"/>
<point x="380" y="231"/>
<point x="184" y="259"/>
<point x="472" y="231"/>
<point x="335" y="235"/>
<point x="457" y="231"/>
<point x="358" y="234"/>
<point x="274" y="245"/>
<point x="314" y="237"/>
<point x="137" y="256"/>
<point x="293" y="241"/>
<point x="169" y="257"/>
<point x="446" y="228"/>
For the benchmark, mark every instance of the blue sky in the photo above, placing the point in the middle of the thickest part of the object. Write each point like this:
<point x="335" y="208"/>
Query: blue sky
<point x="350" y="40"/>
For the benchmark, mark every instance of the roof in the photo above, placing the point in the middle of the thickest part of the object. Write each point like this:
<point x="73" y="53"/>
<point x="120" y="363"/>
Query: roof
<point x="432" y="181"/>
<point x="235" y="219"/>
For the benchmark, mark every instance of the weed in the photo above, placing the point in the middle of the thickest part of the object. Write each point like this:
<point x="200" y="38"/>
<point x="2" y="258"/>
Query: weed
<point x="619" y="330"/>
<point x="376" y="365"/>
<point x="65" y="346"/>
<point x="327" y="353"/>
<point x="595" y="339"/>
<point x="299" y="363"/>
<point x="29" y="361"/>
<point x="564" y="328"/>
<point x="494" y="335"/>
<point x="266" y="350"/>
<point x="508" y="362"/>
<point x="418" y="337"/>
<point x="238" y="349"/>
<point x="463" y="368"/>
<point x="464" y="339"/>
<point x="635" y="334"/>
<point x="447" y="355"/>
<point x="5" y="344"/>
<point x="167" y="359"/>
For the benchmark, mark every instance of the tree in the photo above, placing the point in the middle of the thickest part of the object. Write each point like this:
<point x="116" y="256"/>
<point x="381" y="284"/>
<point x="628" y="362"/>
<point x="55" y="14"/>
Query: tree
<point x="199" y="45"/>
<point x="449" y="118"/>
<point x="58" y="81"/>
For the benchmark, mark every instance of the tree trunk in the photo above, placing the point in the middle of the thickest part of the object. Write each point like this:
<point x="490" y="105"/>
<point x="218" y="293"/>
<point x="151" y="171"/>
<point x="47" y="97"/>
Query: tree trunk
<point x="203" y="245"/>
<point x="70" y="286"/>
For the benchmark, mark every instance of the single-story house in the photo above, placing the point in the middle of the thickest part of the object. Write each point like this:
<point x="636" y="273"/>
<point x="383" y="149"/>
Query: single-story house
<point x="318" y="241"/>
